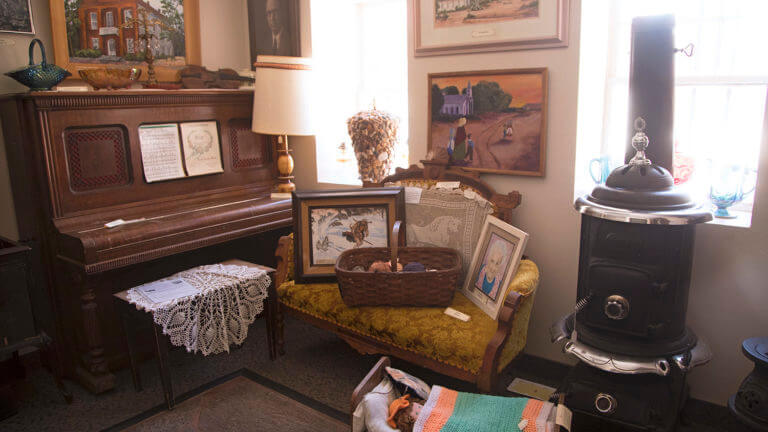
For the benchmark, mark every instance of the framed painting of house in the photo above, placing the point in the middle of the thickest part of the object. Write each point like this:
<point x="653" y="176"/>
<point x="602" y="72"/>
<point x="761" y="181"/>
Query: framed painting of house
<point x="100" y="33"/>
<point x="469" y="26"/>
<point x="490" y="121"/>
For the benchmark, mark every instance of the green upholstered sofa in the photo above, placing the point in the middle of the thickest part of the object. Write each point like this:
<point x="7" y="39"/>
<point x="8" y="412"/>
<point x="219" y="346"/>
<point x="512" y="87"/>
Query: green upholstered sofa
<point x="474" y="351"/>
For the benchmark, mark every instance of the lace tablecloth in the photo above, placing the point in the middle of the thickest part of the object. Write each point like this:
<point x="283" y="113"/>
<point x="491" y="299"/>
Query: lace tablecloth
<point x="228" y="299"/>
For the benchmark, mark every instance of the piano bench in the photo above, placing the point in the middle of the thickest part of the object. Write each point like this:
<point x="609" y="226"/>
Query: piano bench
<point x="128" y="310"/>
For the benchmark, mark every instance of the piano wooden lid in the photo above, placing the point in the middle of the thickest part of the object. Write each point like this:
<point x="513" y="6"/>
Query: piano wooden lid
<point x="89" y="244"/>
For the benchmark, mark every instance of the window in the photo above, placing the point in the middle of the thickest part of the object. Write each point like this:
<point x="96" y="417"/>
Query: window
<point x="95" y="43"/>
<point x="720" y="91"/>
<point x="109" y="19"/>
<point x="129" y="46"/>
<point x="360" y="56"/>
<point x="94" y="20"/>
<point x="127" y="16"/>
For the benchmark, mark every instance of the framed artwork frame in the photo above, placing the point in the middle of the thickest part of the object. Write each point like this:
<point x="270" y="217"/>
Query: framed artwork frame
<point x="498" y="254"/>
<point x="443" y="27"/>
<point x="17" y="18"/>
<point x="273" y="28"/>
<point x="490" y="121"/>
<point x="84" y="25"/>
<point x="325" y="223"/>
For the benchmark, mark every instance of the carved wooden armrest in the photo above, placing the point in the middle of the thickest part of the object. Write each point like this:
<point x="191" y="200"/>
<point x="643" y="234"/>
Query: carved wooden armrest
<point x="283" y="259"/>
<point x="494" y="347"/>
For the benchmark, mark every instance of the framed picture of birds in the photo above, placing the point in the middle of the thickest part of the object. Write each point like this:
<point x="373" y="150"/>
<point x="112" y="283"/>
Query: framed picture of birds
<point x="326" y="223"/>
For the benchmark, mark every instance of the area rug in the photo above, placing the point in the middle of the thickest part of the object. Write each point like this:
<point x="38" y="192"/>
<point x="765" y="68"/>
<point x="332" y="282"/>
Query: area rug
<point x="242" y="401"/>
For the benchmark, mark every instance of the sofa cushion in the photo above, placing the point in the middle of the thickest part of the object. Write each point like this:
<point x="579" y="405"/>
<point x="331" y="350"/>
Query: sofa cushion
<point x="427" y="331"/>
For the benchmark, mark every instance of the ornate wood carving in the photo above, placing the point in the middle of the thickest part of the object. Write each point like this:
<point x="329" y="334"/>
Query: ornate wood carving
<point x="97" y="158"/>
<point x="443" y="171"/>
<point x="136" y="98"/>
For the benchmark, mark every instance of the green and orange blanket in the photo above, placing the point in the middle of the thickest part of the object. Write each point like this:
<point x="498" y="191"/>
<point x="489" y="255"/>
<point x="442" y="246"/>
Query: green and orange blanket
<point x="451" y="411"/>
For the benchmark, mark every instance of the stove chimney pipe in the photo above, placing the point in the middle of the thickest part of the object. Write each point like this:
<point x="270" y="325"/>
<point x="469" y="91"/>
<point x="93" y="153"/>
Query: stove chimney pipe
<point x="651" y="86"/>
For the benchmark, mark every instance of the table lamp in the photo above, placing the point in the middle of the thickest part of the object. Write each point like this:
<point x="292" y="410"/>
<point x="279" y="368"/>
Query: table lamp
<point x="281" y="106"/>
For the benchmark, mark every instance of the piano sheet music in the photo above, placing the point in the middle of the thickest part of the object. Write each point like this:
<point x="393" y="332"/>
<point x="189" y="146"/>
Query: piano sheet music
<point x="202" y="153"/>
<point x="161" y="152"/>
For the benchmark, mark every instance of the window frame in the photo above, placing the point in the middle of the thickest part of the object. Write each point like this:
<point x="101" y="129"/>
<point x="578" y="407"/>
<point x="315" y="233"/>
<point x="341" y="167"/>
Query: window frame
<point x="615" y="82"/>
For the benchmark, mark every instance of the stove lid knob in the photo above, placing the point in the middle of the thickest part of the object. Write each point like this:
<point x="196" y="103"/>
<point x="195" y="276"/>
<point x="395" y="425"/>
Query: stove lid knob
<point x="605" y="403"/>
<point x="616" y="307"/>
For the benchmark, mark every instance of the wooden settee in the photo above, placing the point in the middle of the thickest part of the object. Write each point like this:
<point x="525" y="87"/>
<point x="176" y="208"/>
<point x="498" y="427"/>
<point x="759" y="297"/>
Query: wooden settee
<point x="475" y="351"/>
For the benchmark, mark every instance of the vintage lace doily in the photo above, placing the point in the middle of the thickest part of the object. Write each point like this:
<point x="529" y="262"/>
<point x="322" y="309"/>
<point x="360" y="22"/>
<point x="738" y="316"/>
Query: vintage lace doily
<point x="229" y="298"/>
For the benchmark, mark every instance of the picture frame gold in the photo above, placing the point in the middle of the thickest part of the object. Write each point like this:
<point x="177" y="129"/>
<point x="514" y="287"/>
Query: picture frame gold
<point x="549" y="29"/>
<point x="308" y="270"/>
<point x="164" y="74"/>
<point x="527" y="90"/>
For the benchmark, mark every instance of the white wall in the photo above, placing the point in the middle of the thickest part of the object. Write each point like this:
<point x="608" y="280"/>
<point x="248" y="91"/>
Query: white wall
<point x="729" y="290"/>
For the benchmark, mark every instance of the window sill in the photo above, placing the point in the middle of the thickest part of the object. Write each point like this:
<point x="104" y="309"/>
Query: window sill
<point x="743" y="219"/>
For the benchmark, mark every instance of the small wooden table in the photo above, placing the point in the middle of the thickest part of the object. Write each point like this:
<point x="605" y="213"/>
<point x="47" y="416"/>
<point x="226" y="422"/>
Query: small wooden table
<point x="161" y="342"/>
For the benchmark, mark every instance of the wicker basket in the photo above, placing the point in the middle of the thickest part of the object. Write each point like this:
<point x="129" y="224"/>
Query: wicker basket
<point x="431" y="288"/>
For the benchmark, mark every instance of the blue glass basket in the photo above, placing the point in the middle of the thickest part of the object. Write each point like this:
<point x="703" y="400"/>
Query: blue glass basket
<point x="41" y="76"/>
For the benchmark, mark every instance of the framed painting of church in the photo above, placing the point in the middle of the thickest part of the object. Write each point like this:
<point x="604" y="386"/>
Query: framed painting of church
<point x="490" y="121"/>
<point x="91" y="34"/>
<point x="469" y="26"/>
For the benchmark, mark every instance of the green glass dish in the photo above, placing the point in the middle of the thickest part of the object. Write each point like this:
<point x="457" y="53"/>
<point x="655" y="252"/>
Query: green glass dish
<point x="41" y="76"/>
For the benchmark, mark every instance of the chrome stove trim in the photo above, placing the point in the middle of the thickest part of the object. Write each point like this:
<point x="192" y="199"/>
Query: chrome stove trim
<point x="560" y="330"/>
<point x="615" y="363"/>
<point x="691" y="216"/>
<point x="699" y="355"/>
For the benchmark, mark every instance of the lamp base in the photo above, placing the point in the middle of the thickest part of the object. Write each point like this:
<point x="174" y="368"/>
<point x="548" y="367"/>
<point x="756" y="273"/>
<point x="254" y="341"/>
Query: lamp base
<point x="284" y="167"/>
<point x="285" y="185"/>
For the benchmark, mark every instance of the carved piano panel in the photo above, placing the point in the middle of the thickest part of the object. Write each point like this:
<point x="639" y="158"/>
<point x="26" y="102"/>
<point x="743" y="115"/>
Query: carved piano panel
<point x="97" y="157"/>
<point x="248" y="150"/>
<point x="76" y="164"/>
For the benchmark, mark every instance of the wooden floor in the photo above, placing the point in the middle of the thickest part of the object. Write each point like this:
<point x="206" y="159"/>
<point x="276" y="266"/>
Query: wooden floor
<point x="241" y="404"/>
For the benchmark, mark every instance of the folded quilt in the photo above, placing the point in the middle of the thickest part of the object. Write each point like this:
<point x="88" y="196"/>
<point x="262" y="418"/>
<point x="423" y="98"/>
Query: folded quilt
<point x="451" y="411"/>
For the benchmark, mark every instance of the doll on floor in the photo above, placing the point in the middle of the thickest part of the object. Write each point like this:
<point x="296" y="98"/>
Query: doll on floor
<point x="403" y="413"/>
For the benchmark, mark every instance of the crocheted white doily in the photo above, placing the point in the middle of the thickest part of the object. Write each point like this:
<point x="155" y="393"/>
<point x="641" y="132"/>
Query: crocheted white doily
<point x="229" y="298"/>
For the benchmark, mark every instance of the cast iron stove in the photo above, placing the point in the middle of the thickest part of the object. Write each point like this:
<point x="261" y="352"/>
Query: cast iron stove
<point x="628" y="328"/>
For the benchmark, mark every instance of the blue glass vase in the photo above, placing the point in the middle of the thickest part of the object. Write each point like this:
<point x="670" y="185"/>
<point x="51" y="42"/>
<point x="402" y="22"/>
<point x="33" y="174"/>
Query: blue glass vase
<point x="728" y="187"/>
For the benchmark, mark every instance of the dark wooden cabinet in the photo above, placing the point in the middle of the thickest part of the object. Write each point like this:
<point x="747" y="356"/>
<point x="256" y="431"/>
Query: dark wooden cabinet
<point x="75" y="163"/>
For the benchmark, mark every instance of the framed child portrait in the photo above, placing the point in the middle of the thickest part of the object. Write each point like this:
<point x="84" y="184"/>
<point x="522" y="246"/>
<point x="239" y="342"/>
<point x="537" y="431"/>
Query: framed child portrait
<point x="494" y="264"/>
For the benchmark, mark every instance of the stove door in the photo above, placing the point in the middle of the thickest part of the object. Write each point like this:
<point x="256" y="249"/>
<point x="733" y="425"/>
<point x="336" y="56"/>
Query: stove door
<point x="623" y="299"/>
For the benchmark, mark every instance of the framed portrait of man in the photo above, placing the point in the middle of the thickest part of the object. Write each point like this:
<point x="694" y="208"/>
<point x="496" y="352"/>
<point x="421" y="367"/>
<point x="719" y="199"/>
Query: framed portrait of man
<point x="274" y="28"/>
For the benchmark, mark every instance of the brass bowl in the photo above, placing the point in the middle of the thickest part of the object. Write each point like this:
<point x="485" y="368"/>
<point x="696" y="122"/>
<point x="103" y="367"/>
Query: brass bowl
<point x="110" y="78"/>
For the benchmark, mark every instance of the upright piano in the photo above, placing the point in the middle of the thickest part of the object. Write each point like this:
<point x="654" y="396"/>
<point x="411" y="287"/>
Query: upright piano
<point x="75" y="163"/>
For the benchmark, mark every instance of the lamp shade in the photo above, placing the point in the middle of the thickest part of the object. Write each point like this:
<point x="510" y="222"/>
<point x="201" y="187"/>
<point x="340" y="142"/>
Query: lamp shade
<point x="282" y="96"/>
